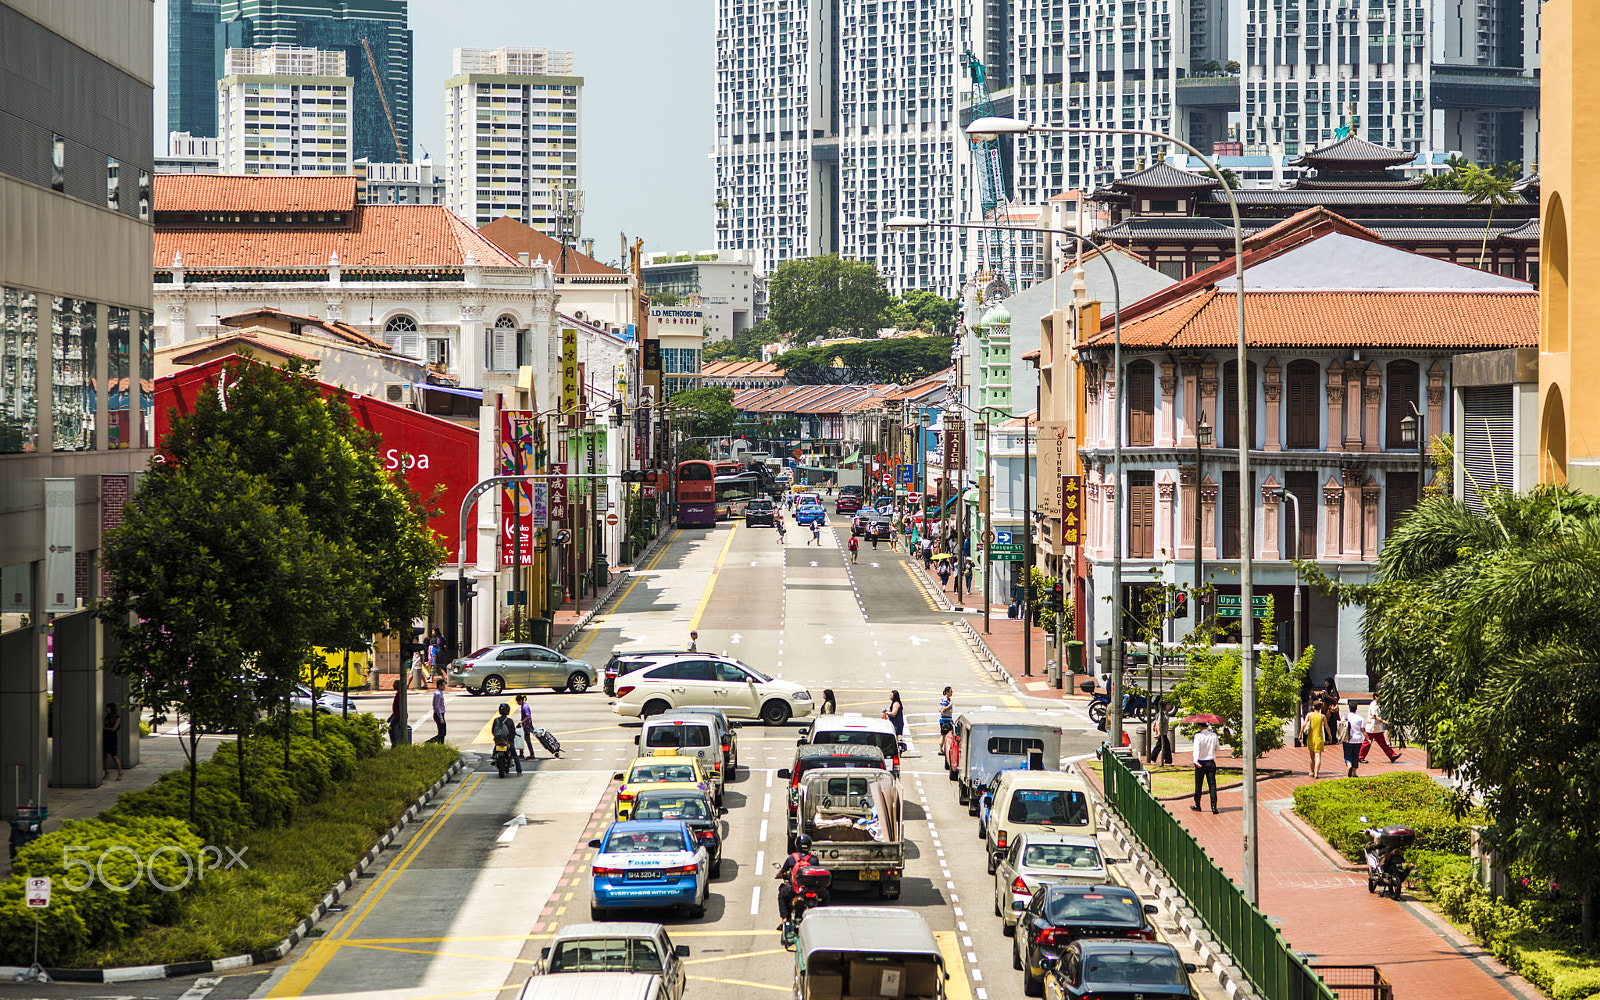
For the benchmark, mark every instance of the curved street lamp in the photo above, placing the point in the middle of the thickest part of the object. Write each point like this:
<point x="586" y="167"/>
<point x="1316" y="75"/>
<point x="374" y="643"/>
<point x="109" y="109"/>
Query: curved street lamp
<point x="984" y="129"/>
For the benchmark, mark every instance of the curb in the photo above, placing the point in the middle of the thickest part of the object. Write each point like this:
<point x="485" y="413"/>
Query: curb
<point x="1211" y="956"/>
<point x="141" y="973"/>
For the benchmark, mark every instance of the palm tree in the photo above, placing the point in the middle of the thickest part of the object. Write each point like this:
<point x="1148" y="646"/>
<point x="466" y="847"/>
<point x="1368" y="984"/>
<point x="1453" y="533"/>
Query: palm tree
<point x="1493" y="186"/>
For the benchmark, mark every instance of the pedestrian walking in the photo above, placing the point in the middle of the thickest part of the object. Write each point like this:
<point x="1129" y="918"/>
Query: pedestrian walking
<point x="896" y="713"/>
<point x="1307" y="695"/>
<point x="829" y="706"/>
<point x="694" y="642"/>
<point x="1376" y="730"/>
<point x="110" y="729"/>
<point x="438" y="710"/>
<point x="419" y="669"/>
<point x="1314" y="737"/>
<point x="397" y="716"/>
<point x="505" y="728"/>
<point x="855" y="547"/>
<point x="944" y="574"/>
<point x="779" y="523"/>
<point x="1205" y="765"/>
<point x="874" y="537"/>
<point x="947" y="708"/>
<point x="525" y="722"/>
<point x="967" y="567"/>
<point x="1162" y="748"/>
<point x="816" y="533"/>
<point x="1353" y="735"/>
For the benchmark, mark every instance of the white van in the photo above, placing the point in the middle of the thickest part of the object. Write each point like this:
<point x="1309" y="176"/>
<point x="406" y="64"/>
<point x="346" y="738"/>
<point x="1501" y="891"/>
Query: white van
<point x="855" y="729"/>
<point x="1036" y="802"/>
<point x="690" y="736"/>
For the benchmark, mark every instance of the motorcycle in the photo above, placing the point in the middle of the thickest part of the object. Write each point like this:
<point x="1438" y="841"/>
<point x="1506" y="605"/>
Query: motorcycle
<point x="502" y="755"/>
<point x="1133" y="705"/>
<point x="813" y="883"/>
<point x="1385" y="852"/>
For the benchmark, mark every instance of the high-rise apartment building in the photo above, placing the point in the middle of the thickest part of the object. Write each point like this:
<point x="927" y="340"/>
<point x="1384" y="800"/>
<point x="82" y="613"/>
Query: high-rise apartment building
<point x="833" y="117"/>
<point x="1485" y="82"/>
<point x="513" y="120"/>
<point x="399" y="183"/>
<point x="194" y="65"/>
<point x="191" y="154"/>
<point x="284" y="111"/>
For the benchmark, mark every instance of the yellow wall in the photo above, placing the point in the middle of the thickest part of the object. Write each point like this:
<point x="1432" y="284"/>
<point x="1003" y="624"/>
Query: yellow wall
<point x="1569" y="174"/>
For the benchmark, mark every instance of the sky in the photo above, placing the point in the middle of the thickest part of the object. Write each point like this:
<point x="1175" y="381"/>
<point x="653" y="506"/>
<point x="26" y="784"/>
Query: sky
<point x="648" y="102"/>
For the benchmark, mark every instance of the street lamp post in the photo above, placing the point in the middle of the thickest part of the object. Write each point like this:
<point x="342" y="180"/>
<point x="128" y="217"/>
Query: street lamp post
<point x="985" y="128"/>
<point x="1411" y="432"/>
<point x="1202" y="439"/>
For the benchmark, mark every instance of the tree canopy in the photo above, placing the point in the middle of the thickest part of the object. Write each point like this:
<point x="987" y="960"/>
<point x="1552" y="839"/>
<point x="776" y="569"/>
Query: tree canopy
<point x="922" y="310"/>
<point x="901" y="360"/>
<point x="704" y="412"/>
<point x="817" y="297"/>
<point x="743" y="346"/>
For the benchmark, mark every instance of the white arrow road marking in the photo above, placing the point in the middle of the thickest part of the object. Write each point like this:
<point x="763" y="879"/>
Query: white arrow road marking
<point x="827" y="640"/>
<point x="813" y="562"/>
<point x="510" y="832"/>
<point x="917" y="642"/>
<point x="200" y="988"/>
<point x="752" y="562"/>
<point x="874" y="565"/>
<point x="735" y="638"/>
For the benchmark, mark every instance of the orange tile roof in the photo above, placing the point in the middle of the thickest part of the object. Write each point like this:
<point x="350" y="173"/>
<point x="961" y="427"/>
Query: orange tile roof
<point x="741" y="369"/>
<point x="271" y="193"/>
<point x="1475" y="319"/>
<point x="516" y="237"/>
<point x="418" y="236"/>
<point x="343" y="331"/>
<point x="202" y="351"/>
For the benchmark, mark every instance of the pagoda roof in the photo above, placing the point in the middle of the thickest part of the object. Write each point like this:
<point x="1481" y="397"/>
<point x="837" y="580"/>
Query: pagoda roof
<point x="1355" y="151"/>
<point x="1164" y="176"/>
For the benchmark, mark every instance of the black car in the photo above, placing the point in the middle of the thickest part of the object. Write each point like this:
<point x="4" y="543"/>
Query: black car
<point x="760" y="511"/>
<point x="1120" y="970"/>
<point x="627" y="661"/>
<point x="690" y="806"/>
<point x="1061" y="914"/>
<point x="880" y="526"/>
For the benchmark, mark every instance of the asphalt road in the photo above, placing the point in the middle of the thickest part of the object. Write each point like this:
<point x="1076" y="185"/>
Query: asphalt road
<point x="455" y="911"/>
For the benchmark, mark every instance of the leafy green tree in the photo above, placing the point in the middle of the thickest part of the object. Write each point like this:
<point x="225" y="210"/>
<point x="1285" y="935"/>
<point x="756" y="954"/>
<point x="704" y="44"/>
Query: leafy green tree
<point x="922" y="310"/>
<point x="818" y="297"/>
<point x="1451" y="179"/>
<point x="1493" y="186"/>
<point x="743" y="346"/>
<point x="901" y="360"/>
<point x="704" y="412"/>
<point x="1214" y="685"/>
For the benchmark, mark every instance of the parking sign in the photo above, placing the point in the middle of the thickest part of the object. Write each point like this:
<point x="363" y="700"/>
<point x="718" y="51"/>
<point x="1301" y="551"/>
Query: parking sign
<point x="38" y="892"/>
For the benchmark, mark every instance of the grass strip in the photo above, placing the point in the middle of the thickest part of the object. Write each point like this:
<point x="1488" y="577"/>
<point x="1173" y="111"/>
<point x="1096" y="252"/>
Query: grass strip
<point x="238" y="911"/>
<point x="1172" y="780"/>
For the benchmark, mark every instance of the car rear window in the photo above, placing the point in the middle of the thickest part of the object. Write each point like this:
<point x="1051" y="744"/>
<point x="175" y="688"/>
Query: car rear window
<point x="884" y="742"/>
<point x="1061" y="856"/>
<point x="664" y="772"/>
<point x="645" y="842"/>
<point x="1132" y="968"/>
<point x="685" y="807"/>
<point x="670" y="735"/>
<point x="606" y="955"/>
<point x="1048" y="805"/>
<point x="1097" y="907"/>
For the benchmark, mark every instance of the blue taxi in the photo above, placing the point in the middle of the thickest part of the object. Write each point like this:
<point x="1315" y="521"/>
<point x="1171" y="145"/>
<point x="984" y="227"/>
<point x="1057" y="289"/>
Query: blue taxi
<point x="648" y="864"/>
<point x="811" y="513"/>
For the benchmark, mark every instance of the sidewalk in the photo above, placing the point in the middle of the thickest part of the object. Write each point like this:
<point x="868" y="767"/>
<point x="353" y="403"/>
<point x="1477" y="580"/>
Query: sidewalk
<point x="1318" y="899"/>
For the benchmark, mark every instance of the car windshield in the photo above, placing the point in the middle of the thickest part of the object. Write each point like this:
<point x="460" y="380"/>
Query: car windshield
<point x="885" y="743"/>
<point x="664" y="772"/>
<point x="1057" y="806"/>
<point x="1093" y="907"/>
<point x="1061" y="856"/>
<point x="606" y="955"/>
<point x="645" y="842"/>
<point x="671" y="807"/>
<point x="1132" y="968"/>
<point x="760" y="677"/>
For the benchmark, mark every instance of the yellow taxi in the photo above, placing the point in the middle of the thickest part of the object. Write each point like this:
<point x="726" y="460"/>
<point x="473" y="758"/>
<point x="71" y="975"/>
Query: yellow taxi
<point x="662" y="767"/>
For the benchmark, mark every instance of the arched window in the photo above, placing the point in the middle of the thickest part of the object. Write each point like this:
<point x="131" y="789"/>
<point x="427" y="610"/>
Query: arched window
<point x="400" y="324"/>
<point x="1230" y="403"/>
<point x="1402" y="397"/>
<point x="1303" y="385"/>
<point x="505" y="352"/>
<point x="401" y="334"/>
<point x="1141" y="404"/>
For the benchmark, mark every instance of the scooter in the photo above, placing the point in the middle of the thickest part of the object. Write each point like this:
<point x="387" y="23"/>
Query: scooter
<point x="502" y="756"/>
<point x="813" y="883"/>
<point x="1135" y="705"/>
<point x="1385" y="852"/>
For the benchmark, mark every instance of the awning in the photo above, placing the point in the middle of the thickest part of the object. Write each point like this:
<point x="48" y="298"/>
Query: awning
<point x="450" y="390"/>
<point x="852" y="458"/>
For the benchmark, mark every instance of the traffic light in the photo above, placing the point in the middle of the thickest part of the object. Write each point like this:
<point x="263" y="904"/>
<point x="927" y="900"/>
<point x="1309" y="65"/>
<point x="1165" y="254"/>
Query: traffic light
<point x="633" y="475"/>
<point x="468" y="589"/>
<point x="411" y="643"/>
<point x="651" y="477"/>
<point x="1057" y="596"/>
<point x="1180" y="604"/>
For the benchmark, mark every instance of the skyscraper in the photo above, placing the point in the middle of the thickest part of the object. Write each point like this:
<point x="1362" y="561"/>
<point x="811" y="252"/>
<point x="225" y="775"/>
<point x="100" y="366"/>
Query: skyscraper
<point x="194" y="65"/>
<point x="833" y="117"/>
<point x="284" y="111"/>
<point x="368" y="32"/>
<point x="513" y="131"/>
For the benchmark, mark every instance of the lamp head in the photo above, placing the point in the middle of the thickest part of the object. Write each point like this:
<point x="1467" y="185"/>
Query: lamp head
<point x="1408" y="430"/>
<point x="909" y="222"/>
<point x="985" y="129"/>
<point x="1202" y="433"/>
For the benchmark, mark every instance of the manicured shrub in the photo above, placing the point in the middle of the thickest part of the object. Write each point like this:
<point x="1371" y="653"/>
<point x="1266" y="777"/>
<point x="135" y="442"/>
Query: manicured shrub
<point x="1414" y="800"/>
<point x="62" y="932"/>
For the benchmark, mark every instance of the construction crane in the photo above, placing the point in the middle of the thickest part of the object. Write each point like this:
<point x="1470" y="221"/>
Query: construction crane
<point x="377" y="81"/>
<point x="991" y="173"/>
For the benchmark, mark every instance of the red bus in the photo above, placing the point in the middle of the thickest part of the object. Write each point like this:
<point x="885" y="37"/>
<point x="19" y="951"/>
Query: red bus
<point x="697" y="494"/>
<point x="729" y="468"/>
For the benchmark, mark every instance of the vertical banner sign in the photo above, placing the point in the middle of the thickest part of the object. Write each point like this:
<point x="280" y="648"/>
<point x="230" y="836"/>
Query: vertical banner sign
<point x="517" y="429"/>
<point x="1054" y="451"/>
<point x="60" y="523"/>
<point x="1071" y="510"/>
<point x="641" y="433"/>
<point x="541" y="505"/>
<point x="569" y="377"/>
<point x="558" y="492"/>
<point x="955" y="442"/>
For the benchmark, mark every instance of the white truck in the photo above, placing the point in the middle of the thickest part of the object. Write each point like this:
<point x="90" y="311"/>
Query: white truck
<point x="853" y="817"/>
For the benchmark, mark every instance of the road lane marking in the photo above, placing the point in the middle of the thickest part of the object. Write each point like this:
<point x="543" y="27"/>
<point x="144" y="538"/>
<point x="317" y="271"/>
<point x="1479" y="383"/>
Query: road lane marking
<point x="441" y="954"/>
<point x="763" y="837"/>
<point x="744" y="954"/>
<point x="755" y="900"/>
<point x="711" y="584"/>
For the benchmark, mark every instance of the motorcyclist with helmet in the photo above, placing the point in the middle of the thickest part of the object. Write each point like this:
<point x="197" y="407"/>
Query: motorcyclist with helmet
<point x="800" y="857"/>
<point x="505" y="728"/>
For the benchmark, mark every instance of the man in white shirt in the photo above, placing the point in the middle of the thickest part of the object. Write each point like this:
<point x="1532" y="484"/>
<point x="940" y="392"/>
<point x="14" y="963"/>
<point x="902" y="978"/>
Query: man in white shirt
<point x="1355" y="734"/>
<point x="1205" y="765"/>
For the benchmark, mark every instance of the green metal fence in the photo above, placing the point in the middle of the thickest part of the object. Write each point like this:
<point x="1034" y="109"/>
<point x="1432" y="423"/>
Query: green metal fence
<point x="1238" y="927"/>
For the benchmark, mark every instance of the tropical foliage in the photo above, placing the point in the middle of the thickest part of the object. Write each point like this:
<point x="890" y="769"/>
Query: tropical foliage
<point x="901" y="360"/>
<point x="704" y="412"/>
<point x="828" y="296"/>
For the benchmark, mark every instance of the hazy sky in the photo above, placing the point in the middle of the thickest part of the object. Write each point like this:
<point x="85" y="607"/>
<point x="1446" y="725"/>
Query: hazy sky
<point x="647" y="102"/>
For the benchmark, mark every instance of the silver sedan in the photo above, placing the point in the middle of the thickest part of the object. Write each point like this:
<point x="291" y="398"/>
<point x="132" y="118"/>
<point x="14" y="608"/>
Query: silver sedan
<point x="520" y="665"/>
<point x="1037" y="859"/>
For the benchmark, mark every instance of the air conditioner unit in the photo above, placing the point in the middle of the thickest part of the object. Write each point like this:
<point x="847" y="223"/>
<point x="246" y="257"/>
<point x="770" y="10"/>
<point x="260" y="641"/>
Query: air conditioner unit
<point x="401" y="393"/>
<point x="579" y="314"/>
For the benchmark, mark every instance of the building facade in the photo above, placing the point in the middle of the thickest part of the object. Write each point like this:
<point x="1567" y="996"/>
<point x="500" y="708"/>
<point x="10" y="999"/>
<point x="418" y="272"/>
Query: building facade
<point x="194" y="65"/>
<point x="76" y="363"/>
<point x="284" y="111"/>
<point x="513" y="136"/>
<point x="733" y="293"/>
<point x="399" y="183"/>
<point x="190" y="154"/>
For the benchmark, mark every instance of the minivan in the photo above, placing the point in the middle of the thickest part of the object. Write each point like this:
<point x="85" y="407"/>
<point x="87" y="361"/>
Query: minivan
<point x="1026" y="801"/>
<point x="689" y="735"/>
<point x="854" y="729"/>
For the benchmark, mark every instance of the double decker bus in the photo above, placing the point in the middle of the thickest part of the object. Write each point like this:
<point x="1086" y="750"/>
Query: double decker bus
<point x="696" y="483"/>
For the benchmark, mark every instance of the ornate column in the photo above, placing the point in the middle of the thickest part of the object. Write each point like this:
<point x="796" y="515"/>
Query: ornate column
<point x="1208" y="519"/>
<point x="1191" y="395"/>
<point x="1272" y="388"/>
<point x="1091" y="511"/>
<point x="467" y="362"/>
<point x="1352" y="512"/>
<point x="1436" y="410"/>
<point x="1352" y="403"/>
<point x="177" y="319"/>
<point x="1371" y="396"/>
<point x="1185" y="533"/>
<point x="1208" y="398"/>
<point x="1110" y="408"/>
<point x="1336" y="407"/>
<point x="1332" y="506"/>
<point x="1164" y="532"/>
<point x="1108" y="496"/>
<point x="1369" y="520"/>
<point x="1091" y="389"/>
<point x="1269" y="519"/>
<point x="1167" y="425"/>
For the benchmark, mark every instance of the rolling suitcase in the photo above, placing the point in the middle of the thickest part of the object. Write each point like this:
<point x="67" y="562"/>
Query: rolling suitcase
<point x="548" y="740"/>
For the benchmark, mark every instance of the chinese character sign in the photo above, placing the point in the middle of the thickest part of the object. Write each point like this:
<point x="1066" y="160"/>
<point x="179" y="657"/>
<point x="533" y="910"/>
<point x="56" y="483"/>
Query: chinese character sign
<point x="517" y="443"/>
<point x="1072" y="532"/>
<point x="569" y="375"/>
<point x="558" y="491"/>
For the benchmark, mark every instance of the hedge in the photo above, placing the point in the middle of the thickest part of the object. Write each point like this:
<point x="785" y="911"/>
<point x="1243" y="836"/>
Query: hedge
<point x="145" y="840"/>
<point x="1396" y="799"/>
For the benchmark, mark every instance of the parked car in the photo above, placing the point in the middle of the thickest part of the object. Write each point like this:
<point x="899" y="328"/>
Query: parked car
<point x="741" y="691"/>
<point x="616" y="946"/>
<point x="681" y="802"/>
<point x="658" y="769"/>
<point x="1039" y="859"/>
<point x="760" y="511"/>
<point x="1057" y="915"/>
<point x="810" y="513"/>
<point x="493" y="669"/>
<point x="1120" y="970"/>
<point x="640" y="864"/>
<point x="328" y="702"/>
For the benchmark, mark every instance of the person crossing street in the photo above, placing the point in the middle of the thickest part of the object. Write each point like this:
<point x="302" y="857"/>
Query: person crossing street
<point x="855" y="547"/>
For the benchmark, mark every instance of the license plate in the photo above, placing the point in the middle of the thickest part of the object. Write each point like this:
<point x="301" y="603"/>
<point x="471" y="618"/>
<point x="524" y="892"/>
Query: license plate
<point x="642" y="874"/>
<point x="871" y="876"/>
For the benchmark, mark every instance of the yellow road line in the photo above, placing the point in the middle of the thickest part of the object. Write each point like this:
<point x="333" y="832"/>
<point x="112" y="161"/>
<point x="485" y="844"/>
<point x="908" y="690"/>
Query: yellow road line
<point x="957" y="987"/>
<point x="743" y="982"/>
<point x="705" y="598"/>
<point x="1011" y="701"/>
<point x="743" y="954"/>
<point x="441" y="954"/>
<point x="298" y="979"/>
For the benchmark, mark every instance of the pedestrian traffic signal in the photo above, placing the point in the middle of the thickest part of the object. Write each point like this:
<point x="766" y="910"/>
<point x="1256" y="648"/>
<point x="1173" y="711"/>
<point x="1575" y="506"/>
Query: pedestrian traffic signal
<point x="412" y="644"/>
<point x="1180" y="604"/>
<point x="633" y="475"/>
<point x="1057" y="596"/>
<point x="468" y="588"/>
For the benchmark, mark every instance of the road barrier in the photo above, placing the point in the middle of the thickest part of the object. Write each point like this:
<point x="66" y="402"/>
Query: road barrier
<point x="1256" y="947"/>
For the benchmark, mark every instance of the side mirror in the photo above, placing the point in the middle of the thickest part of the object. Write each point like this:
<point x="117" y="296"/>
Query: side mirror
<point x="594" y="843"/>
<point x="800" y="742"/>
<point x="1151" y="908"/>
<point x="723" y="811"/>
<point x="1190" y="967"/>
<point x="544" y="953"/>
<point x="682" y="951"/>
<point x="805" y="731"/>
<point x="617" y="776"/>
<point x="636" y="740"/>
<point x="1047" y="963"/>
<point x="783" y="772"/>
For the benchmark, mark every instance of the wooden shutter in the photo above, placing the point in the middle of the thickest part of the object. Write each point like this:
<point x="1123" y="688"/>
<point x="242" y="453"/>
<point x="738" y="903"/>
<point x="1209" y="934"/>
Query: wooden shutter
<point x="1142" y="515"/>
<point x="1487" y="452"/>
<point x="1304" y="486"/>
<point x="1141" y="404"/>
<point x="1400" y="498"/>
<point x="1305" y="404"/>
<point x="1229" y="499"/>
<point x="1402" y="394"/>
<point x="1230" y="403"/>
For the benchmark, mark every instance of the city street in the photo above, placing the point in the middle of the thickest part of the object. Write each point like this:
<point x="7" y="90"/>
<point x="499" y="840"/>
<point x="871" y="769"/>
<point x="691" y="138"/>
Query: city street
<point x="456" y="911"/>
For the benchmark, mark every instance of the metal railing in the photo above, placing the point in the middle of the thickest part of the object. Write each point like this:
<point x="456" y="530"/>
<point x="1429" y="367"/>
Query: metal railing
<point x="1243" y="931"/>
<point x="1356" y="982"/>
